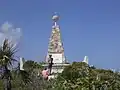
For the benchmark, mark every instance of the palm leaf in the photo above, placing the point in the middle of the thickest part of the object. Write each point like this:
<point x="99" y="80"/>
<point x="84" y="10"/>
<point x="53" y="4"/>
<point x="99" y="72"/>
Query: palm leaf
<point x="7" y="53"/>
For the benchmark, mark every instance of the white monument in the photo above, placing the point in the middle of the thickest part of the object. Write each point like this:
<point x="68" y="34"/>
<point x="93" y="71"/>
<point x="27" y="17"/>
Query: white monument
<point x="55" y="48"/>
<point x="85" y="59"/>
<point x="21" y="63"/>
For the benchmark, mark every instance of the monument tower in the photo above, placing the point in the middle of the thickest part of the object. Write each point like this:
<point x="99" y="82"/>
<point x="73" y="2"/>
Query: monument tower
<point x="56" y="50"/>
<point x="55" y="47"/>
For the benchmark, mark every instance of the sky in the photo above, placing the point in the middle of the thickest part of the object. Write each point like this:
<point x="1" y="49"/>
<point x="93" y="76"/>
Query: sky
<point x="88" y="28"/>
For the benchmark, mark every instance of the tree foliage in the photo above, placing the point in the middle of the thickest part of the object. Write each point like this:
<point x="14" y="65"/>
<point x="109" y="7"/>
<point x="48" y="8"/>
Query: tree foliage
<point x="77" y="76"/>
<point x="80" y="76"/>
<point x="7" y="57"/>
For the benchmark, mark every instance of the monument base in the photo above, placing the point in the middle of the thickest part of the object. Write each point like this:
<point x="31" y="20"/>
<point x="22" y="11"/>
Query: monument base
<point x="56" y="68"/>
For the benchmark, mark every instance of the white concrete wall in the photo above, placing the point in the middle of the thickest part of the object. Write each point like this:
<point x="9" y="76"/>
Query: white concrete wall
<point x="57" y="58"/>
<point x="55" y="70"/>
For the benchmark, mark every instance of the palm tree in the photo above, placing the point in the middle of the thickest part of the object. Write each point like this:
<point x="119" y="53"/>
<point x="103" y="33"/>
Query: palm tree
<point x="7" y="57"/>
<point x="7" y="52"/>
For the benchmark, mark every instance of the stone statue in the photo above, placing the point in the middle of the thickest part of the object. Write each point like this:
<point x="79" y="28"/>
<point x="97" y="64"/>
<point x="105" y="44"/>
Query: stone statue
<point x="85" y="59"/>
<point x="21" y="64"/>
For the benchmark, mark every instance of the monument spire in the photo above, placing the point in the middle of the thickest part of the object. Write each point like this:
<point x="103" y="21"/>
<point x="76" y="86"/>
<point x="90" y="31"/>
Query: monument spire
<point x="55" y="19"/>
<point x="55" y="52"/>
<point x="55" y="47"/>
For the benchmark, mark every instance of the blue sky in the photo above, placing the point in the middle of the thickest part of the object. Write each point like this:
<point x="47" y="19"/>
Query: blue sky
<point x="88" y="27"/>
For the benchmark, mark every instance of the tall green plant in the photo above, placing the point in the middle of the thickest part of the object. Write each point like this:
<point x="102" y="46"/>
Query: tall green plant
<point x="7" y="57"/>
<point x="7" y="53"/>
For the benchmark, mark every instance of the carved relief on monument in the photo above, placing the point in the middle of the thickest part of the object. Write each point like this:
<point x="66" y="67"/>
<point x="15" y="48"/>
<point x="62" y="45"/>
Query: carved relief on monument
<point x="55" y="47"/>
<point x="55" y="44"/>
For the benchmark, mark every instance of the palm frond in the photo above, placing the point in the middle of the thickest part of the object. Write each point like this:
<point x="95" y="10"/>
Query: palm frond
<point x="7" y="53"/>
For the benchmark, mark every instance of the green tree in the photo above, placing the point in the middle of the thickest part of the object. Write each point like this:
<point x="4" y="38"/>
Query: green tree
<point x="37" y="82"/>
<point x="7" y="57"/>
<point x="7" y="52"/>
<point x="80" y="76"/>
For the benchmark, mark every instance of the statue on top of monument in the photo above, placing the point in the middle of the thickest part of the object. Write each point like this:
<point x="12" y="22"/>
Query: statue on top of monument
<point x="55" y="18"/>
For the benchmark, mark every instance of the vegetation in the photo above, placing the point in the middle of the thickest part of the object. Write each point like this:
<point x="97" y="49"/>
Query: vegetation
<point x="7" y="75"/>
<point x="80" y="76"/>
<point x="77" y="76"/>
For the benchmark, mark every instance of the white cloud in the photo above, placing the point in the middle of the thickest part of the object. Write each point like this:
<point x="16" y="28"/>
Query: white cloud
<point x="8" y="31"/>
<point x="1" y="38"/>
